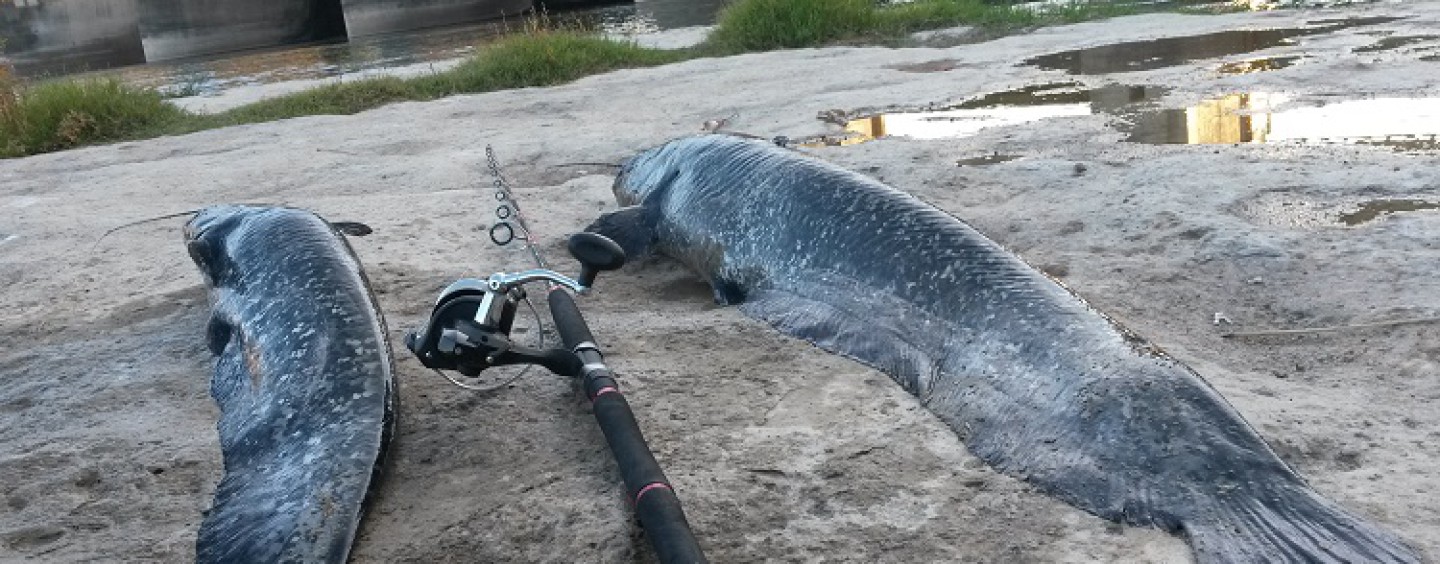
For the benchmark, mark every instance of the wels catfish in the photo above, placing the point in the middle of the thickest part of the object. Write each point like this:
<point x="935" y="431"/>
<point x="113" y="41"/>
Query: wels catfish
<point x="1035" y="381"/>
<point x="304" y="381"/>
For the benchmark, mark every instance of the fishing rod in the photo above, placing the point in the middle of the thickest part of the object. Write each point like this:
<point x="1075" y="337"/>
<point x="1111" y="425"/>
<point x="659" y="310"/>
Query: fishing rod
<point x="469" y="331"/>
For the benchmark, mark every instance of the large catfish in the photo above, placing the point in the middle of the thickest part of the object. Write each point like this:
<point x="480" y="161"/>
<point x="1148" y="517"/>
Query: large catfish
<point x="1036" y="382"/>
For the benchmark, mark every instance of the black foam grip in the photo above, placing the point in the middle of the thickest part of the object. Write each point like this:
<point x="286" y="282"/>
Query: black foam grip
<point x="568" y="320"/>
<point x="658" y="508"/>
<point x="664" y="522"/>
<point x="637" y="466"/>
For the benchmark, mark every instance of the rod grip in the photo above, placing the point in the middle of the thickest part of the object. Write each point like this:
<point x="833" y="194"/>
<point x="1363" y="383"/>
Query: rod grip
<point x="568" y="321"/>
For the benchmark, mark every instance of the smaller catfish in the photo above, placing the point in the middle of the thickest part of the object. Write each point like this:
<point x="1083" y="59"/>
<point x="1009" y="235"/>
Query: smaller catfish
<point x="1036" y="382"/>
<point x="304" y="382"/>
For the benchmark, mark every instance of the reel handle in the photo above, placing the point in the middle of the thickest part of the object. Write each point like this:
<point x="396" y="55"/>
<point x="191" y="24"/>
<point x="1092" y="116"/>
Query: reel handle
<point x="596" y="253"/>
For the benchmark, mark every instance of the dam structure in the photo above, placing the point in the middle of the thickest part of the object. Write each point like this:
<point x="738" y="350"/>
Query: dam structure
<point x="52" y="37"/>
<point x="43" y="37"/>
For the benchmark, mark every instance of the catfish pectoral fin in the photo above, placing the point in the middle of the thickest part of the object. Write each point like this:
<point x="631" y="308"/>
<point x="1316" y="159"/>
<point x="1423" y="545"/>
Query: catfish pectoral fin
<point x="850" y="333"/>
<point x="633" y="228"/>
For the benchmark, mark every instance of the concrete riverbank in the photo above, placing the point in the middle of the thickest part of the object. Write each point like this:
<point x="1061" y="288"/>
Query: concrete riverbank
<point x="779" y="450"/>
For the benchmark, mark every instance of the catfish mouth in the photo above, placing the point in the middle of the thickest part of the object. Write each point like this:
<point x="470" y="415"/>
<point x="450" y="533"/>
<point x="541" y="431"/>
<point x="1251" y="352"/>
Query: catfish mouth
<point x="205" y="234"/>
<point x="214" y="218"/>
<point x="624" y="194"/>
<point x="202" y="222"/>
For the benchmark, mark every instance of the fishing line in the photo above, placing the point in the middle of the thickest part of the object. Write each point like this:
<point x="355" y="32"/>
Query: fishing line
<point x="509" y="214"/>
<point x="510" y="227"/>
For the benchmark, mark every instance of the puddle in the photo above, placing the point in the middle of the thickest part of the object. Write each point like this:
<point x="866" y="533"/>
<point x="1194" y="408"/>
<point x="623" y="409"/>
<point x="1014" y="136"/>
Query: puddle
<point x="1285" y="210"/>
<point x="1403" y="124"/>
<point x="1011" y="107"/>
<point x="994" y="158"/>
<point x="938" y="65"/>
<point x="1374" y="209"/>
<point x="214" y="74"/>
<point x="1395" y="42"/>
<point x="1407" y="124"/>
<point x="1171" y="51"/>
<point x="1258" y="65"/>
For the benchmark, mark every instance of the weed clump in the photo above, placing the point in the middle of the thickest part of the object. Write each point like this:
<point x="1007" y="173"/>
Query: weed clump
<point x="758" y="25"/>
<point x="59" y="115"/>
<point x="341" y="98"/>
<point x="542" y="58"/>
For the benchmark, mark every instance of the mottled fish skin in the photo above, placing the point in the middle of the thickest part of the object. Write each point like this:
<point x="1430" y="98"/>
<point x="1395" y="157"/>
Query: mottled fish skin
<point x="304" y="381"/>
<point x="1036" y="382"/>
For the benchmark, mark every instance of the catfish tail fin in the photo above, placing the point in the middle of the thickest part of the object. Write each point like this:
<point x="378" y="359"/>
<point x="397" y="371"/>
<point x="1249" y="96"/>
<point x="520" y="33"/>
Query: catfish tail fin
<point x="1294" y="524"/>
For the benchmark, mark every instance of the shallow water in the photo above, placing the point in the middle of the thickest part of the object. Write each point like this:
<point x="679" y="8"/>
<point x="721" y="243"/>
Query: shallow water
<point x="214" y="74"/>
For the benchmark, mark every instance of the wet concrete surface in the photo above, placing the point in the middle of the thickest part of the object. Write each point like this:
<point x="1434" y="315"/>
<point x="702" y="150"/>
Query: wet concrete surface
<point x="1375" y="209"/>
<point x="1298" y="211"/>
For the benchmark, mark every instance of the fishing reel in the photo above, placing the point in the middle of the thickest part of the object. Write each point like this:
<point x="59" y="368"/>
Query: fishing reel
<point x="469" y="328"/>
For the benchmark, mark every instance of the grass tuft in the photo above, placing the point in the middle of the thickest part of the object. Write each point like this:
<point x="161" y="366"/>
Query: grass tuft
<point x="759" y="25"/>
<point x="59" y="115"/>
<point x="542" y="58"/>
<point x="341" y="98"/>
<point x="755" y="25"/>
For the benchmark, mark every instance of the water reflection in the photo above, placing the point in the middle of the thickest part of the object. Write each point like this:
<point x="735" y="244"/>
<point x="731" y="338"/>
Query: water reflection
<point x="648" y="16"/>
<point x="1171" y="51"/>
<point x="1409" y="124"/>
<point x="1406" y="124"/>
<point x="1007" y="108"/>
<point x="1258" y="65"/>
<point x="1372" y="210"/>
<point x="317" y="60"/>
<point x="208" y="75"/>
<point x="1395" y="42"/>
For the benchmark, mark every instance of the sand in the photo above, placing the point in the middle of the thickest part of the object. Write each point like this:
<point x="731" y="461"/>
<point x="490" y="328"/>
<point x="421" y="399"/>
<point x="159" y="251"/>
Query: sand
<point x="781" y="452"/>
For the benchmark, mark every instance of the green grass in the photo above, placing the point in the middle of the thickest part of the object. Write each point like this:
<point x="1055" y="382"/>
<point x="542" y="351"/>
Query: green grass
<point x="58" y="115"/>
<point x="759" y="25"/>
<point x="62" y="114"/>
<point x="542" y="59"/>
